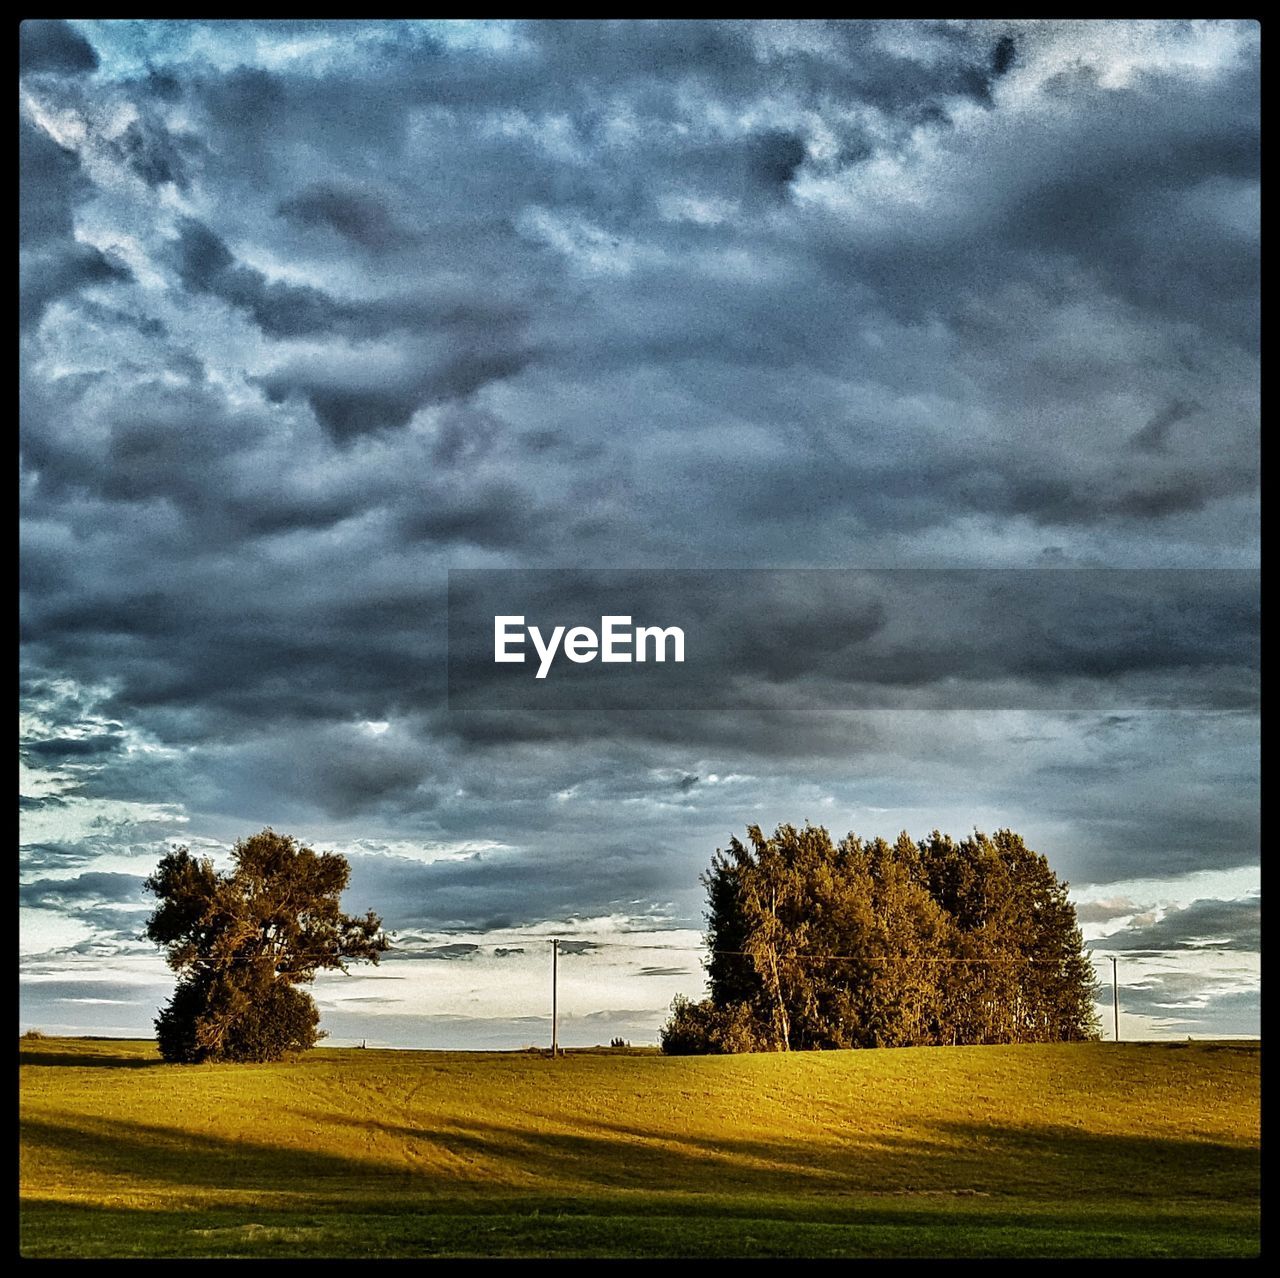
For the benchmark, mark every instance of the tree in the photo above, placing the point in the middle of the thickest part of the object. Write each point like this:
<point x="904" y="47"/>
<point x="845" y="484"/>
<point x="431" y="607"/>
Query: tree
<point x="819" y="944"/>
<point x="703" y="1029"/>
<point x="1025" y="977"/>
<point x="243" y="940"/>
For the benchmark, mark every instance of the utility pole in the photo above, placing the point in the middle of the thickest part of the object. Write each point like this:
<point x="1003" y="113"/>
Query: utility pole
<point x="1115" y="997"/>
<point x="555" y="963"/>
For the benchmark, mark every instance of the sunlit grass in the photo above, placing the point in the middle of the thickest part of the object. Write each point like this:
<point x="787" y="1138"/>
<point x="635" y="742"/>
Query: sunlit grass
<point x="1092" y="1149"/>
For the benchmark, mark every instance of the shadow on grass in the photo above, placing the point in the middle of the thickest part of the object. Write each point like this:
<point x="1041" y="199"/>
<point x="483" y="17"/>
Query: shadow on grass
<point x="39" y="1056"/>
<point x="480" y="1188"/>
<point x="469" y="1153"/>
<point x="147" y="1155"/>
<point x="954" y="1158"/>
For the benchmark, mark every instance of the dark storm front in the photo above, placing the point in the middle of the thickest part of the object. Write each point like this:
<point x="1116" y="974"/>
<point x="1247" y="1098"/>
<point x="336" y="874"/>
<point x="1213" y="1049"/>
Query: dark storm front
<point x="543" y="654"/>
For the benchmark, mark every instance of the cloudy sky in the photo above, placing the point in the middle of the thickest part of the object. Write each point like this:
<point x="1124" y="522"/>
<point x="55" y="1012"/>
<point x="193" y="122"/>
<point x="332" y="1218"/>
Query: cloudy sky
<point x="314" y="313"/>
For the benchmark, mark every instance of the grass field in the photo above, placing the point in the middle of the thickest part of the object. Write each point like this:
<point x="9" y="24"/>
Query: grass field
<point x="1073" y="1150"/>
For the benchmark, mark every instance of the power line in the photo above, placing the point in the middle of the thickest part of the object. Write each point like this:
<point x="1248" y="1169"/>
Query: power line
<point x="800" y="954"/>
<point x="1093" y="956"/>
<point x="895" y="958"/>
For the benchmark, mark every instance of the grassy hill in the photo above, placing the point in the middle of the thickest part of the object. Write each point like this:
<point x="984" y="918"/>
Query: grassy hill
<point x="1079" y="1150"/>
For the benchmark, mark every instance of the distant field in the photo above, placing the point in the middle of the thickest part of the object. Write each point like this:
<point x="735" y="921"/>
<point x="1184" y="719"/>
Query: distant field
<point x="1073" y="1150"/>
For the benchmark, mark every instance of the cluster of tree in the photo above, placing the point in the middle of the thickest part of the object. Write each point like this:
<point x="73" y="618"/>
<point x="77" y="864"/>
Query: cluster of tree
<point x="244" y="940"/>
<point x="818" y="944"/>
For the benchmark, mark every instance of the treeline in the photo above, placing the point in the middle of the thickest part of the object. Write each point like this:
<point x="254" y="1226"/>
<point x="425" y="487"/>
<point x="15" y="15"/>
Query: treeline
<point x="818" y="944"/>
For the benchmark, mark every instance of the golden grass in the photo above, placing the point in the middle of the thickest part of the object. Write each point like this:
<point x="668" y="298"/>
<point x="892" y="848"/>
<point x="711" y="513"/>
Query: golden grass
<point x="1150" y="1148"/>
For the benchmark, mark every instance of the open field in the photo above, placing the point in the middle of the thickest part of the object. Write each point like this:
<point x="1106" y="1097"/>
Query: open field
<point x="1072" y="1150"/>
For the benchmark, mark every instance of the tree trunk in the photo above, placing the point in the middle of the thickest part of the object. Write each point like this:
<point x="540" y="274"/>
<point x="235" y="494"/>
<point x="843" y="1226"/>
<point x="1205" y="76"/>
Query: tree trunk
<point x="784" y="1023"/>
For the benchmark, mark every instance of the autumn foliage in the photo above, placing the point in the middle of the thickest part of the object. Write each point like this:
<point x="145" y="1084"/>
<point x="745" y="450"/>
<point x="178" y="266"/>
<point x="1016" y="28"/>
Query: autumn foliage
<point x="864" y="943"/>
<point x="242" y="941"/>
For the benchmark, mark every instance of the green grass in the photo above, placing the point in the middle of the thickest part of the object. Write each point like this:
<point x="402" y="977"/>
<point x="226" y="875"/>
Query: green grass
<point x="1072" y="1150"/>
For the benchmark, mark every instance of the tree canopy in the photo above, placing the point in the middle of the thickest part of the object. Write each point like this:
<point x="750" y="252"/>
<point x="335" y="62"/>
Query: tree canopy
<point x="865" y="943"/>
<point x="243" y="940"/>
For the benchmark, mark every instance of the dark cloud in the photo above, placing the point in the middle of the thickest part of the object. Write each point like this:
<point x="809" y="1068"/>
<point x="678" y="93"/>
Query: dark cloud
<point x="775" y="158"/>
<point x="1194" y="1003"/>
<point x="51" y="182"/>
<point x="351" y="212"/>
<point x="1212" y="924"/>
<point x="1060" y="502"/>
<point x="360" y="393"/>
<point x="464" y="894"/>
<point x="312" y="315"/>
<point x="93" y="887"/>
<point x="1154" y="436"/>
<point x="445" y="953"/>
<point x="34" y="803"/>
<point x="494" y="515"/>
<point x="1003" y="55"/>
<point x="49" y="44"/>
<point x="75" y="747"/>
<point x="55" y="274"/>
<point x="158" y="156"/>
<point x="206" y="265"/>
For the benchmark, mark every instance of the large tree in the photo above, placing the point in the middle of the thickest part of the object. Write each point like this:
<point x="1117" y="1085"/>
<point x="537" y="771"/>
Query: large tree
<point x="861" y="943"/>
<point x="242" y="941"/>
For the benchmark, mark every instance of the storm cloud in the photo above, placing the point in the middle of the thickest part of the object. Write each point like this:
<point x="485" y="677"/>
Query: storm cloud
<point x="1202" y="925"/>
<point x="314" y="314"/>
